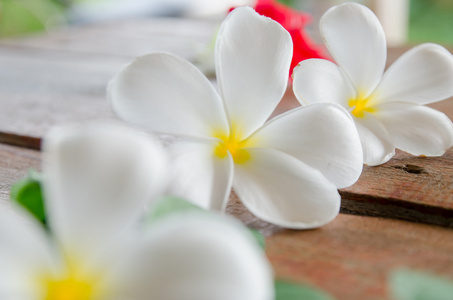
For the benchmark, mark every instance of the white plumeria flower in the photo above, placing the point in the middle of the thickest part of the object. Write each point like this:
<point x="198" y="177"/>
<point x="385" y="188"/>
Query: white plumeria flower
<point x="387" y="108"/>
<point x="97" y="182"/>
<point x="286" y="171"/>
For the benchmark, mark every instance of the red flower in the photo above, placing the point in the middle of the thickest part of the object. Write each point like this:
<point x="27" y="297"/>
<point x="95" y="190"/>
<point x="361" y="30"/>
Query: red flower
<point x="294" y="22"/>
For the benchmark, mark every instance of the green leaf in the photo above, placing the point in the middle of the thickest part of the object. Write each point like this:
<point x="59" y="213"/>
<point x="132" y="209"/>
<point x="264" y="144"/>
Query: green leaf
<point x="412" y="285"/>
<point x="28" y="194"/>
<point x="169" y="205"/>
<point x="259" y="238"/>
<point x="290" y="291"/>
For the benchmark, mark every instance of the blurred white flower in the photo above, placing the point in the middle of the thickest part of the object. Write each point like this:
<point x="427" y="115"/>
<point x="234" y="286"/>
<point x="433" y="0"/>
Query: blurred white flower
<point x="97" y="182"/>
<point x="286" y="171"/>
<point x="386" y="108"/>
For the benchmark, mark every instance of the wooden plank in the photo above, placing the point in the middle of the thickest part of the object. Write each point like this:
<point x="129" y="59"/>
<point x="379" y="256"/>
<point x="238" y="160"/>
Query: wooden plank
<point x="27" y="117"/>
<point x="52" y="79"/>
<point x="352" y="256"/>
<point x="14" y="165"/>
<point x="41" y="71"/>
<point x="44" y="66"/>
<point x="183" y="37"/>
<point x="407" y="187"/>
<point x="46" y="80"/>
<point x="43" y="88"/>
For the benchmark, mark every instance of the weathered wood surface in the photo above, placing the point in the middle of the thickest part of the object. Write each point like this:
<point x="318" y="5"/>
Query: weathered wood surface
<point x="15" y="162"/>
<point x="127" y="39"/>
<point x="407" y="187"/>
<point x="352" y="256"/>
<point x="61" y="77"/>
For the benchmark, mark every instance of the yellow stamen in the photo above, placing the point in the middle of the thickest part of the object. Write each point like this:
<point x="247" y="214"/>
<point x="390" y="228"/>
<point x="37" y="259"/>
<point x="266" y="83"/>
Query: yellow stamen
<point x="234" y="145"/>
<point x="71" y="285"/>
<point x="361" y="105"/>
<point x="69" y="288"/>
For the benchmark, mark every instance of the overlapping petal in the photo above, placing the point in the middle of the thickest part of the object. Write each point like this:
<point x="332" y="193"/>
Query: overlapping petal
<point x="422" y="75"/>
<point x="92" y="172"/>
<point x="385" y="107"/>
<point x="197" y="257"/>
<point x="253" y="54"/>
<point x="199" y="176"/>
<point x="282" y="190"/>
<point x="252" y="67"/>
<point x="356" y="40"/>
<point x="319" y="80"/>
<point x="417" y="129"/>
<point x="167" y="94"/>
<point x="24" y="251"/>
<point x="322" y="136"/>
<point x="377" y="144"/>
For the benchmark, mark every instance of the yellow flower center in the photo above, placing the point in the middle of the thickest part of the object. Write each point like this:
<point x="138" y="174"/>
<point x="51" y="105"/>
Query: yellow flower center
<point x="361" y="105"/>
<point x="234" y="145"/>
<point x="72" y="285"/>
<point x="70" y="288"/>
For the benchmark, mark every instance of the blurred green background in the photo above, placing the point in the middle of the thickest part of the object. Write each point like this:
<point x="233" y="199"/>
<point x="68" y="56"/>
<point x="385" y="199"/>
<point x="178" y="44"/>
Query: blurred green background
<point x="19" y="17"/>
<point x="429" y="20"/>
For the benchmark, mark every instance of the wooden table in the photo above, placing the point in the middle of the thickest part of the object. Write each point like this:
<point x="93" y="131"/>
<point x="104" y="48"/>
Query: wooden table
<point x="399" y="214"/>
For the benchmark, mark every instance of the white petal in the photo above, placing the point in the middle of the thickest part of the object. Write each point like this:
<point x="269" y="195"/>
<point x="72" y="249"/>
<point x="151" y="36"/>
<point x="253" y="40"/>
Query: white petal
<point x="282" y="190"/>
<point x="253" y="55"/>
<point x="377" y="144"/>
<point x="25" y="254"/>
<point x="98" y="181"/>
<point x="167" y="94"/>
<point x="422" y="75"/>
<point x="198" y="257"/>
<point x="322" y="136"/>
<point x="319" y="80"/>
<point x="417" y="129"/>
<point x="199" y="176"/>
<point x="356" y="40"/>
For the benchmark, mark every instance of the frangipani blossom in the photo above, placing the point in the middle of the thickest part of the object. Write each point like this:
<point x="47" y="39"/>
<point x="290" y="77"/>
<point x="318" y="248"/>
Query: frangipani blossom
<point x="285" y="171"/>
<point x="386" y="107"/>
<point x="96" y="250"/>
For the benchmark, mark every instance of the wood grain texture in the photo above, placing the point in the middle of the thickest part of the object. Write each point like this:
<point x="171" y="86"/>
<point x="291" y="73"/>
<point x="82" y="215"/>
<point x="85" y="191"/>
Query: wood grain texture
<point x="42" y="88"/>
<point x="407" y="187"/>
<point x="15" y="162"/>
<point x="127" y="39"/>
<point x="48" y="80"/>
<point x="26" y="118"/>
<point x="352" y="256"/>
